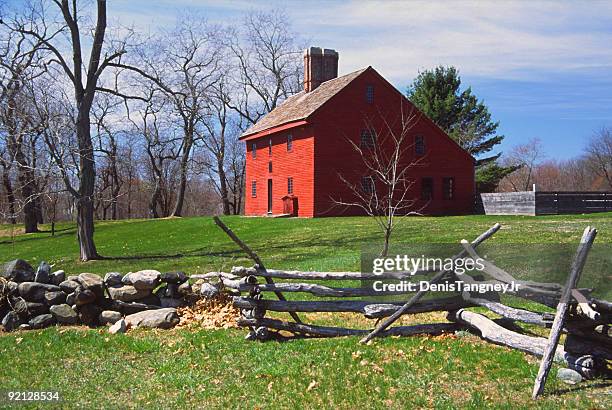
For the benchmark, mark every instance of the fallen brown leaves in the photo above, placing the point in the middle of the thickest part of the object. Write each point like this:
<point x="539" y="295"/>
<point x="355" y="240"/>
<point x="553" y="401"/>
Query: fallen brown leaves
<point x="218" y="313"/>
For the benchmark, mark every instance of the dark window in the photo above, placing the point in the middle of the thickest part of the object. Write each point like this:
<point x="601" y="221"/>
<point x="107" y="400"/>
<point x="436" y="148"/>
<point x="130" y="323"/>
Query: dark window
<point x="448" y="187"/>
<point x="367" y="184"/>
<point x="289" y="142"/>
<point x="254" y="189"/>
<point x="368" y="139"/>
<point x="270" y="147"/>
<point x="289" y="185"/>
<point x="270" y="166"/>
<point x="427" y="188"/>
<point x="254" y="150"/>
<point x="419" y="145"/>
<point x="370" y="94"/>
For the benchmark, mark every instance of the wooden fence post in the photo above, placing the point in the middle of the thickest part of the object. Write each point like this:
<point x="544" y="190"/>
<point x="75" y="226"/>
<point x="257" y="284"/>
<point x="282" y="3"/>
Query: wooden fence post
<point x="254" y="257"/>
<point x="555" y="332"/>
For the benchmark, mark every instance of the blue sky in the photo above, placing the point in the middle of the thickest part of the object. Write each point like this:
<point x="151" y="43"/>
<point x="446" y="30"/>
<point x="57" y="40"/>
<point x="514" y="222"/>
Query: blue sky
<point x="544" y="68"/>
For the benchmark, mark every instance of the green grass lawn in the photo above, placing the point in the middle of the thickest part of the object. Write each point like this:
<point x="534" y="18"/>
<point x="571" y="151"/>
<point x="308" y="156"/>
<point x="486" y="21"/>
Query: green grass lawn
<point x="206" y="368"/>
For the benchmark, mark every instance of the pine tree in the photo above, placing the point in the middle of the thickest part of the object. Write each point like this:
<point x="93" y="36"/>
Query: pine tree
<point x="465" y="118"/>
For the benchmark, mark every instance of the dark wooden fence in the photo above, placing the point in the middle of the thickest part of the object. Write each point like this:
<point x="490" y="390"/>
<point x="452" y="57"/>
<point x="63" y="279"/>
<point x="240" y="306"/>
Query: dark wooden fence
<point x="545" y="203"/>
<point x="572" y="202"/>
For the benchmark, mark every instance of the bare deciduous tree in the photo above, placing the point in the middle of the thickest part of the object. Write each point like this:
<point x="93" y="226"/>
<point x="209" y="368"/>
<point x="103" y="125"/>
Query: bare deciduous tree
<point x="527" y="157"/>
<point x="267" y="64"/>
<point x="161" y="146"/>
<point x="599" y="153"/>
<point x="384" y="190"/>
<point x="22" y="60"/>
<point x="224" y="164"/>
<point x="182" y="65"/>
<point x="84" y="79"/>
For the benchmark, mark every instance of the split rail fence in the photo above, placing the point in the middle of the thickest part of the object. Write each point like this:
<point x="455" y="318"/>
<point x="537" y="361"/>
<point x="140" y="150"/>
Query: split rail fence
<point x="584" y="320"/>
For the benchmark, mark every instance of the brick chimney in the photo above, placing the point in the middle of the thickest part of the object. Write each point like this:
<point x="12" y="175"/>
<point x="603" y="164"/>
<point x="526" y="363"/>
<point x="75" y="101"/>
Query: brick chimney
<point x="319" y="66"/>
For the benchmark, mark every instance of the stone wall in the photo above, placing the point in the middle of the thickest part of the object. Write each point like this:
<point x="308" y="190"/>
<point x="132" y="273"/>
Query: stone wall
<point x="35" y="299"/>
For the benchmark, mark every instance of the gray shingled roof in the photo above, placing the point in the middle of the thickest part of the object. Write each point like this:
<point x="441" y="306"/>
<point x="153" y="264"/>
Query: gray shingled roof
<point x="301" y="105"/>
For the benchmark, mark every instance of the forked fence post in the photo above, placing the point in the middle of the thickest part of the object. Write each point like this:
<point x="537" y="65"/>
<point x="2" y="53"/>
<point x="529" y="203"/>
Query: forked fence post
<point x="391" y="319"/>
<point x="555" y="332"/>
<point x="254" y="257"/>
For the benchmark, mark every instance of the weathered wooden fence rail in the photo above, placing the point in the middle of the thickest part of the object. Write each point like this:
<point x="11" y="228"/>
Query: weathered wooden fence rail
<point x="545" y="203"/>
<point x="585" y="320"/>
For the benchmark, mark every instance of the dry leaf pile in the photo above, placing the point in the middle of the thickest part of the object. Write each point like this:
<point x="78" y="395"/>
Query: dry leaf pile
<point x="218" y="313"/>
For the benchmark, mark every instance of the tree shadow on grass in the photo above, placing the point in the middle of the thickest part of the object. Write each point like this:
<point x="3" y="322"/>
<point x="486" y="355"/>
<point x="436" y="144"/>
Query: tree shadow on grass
<point x="600" y="384"/>
<point x="310" y="246"/>
<point x="26" y="237"/>
<point x="172" y="256"/>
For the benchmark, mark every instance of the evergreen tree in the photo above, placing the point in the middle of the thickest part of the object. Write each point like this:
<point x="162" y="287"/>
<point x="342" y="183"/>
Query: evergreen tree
<point x="466" y="119"/>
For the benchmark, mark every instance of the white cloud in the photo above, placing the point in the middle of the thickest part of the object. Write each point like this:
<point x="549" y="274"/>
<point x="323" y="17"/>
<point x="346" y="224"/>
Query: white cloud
<point x="490" y="39"/>
<point x="501" y="39"/>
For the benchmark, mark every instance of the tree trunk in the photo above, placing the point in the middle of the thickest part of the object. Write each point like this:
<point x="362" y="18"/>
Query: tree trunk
<point x="385" y="250"/>
<point x="85" y="229"/>
<point x="25" y="174"/>
<point x="85" y="203"/>
<point x="154" y="200"/>
<point x="223" y="188"/>
<point x="26" y="181"/>
<point x="180" y="197"/>
<point x="10" y="194"/>
<point x="115" y="183"/>
<point x="39" y="211"/>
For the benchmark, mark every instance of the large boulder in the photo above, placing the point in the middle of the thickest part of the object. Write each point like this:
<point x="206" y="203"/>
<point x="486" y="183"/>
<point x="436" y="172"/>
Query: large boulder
<point x="113" y="279"/>
<point x="84" y="296"/>
<point x="35" y="309"/>
<point x="69" y="286"/>
<point x="18" y="270"/>
<point x="143" y="279"/>
<point x="11" y="321"/>
<point x="34" y="291"/>
<point x="43" y="273"/>
<point x="109" y="317"/>
<point x="173" y="277"/>
<point x="55" y="298"/>
<point x="127" y="293"/>
<point x="57" y="277"/>
<point x="92" y="282"/>
<point x="42" y="321"/>
<point x="64" y="314"/>
<point x="158" y="318"/>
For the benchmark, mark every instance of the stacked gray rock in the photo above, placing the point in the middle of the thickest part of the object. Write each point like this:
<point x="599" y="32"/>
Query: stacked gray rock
<point x="34" y="299"/>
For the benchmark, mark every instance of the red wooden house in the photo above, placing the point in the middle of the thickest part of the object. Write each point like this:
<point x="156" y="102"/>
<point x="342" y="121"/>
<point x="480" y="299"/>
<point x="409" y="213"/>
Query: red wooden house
<point x="297" y="153"/>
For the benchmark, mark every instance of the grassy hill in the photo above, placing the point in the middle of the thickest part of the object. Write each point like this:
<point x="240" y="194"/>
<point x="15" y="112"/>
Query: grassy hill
<point x="196" y="245"/>
<point x="204" y="368"/>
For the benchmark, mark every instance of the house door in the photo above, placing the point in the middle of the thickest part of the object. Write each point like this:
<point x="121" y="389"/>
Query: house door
<point x="269" y="196"/>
